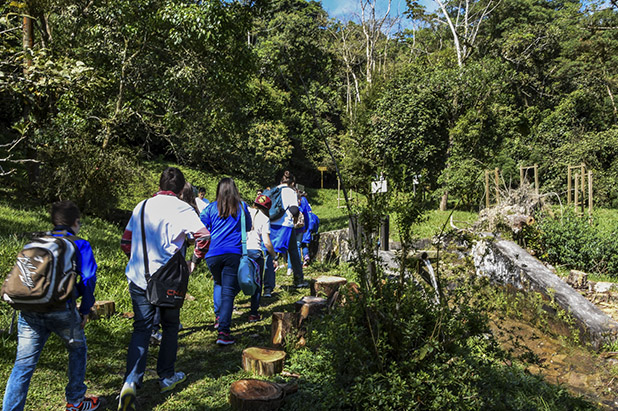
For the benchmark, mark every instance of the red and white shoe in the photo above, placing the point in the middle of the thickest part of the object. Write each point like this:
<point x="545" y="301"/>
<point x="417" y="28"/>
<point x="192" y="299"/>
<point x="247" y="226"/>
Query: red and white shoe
<point x="87" y="404"/>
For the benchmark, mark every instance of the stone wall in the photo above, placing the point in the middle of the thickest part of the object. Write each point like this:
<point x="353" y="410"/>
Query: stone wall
<point x="508" y="264"/>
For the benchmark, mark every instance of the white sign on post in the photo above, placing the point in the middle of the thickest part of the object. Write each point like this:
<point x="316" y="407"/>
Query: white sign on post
<point x="379" y="186"/>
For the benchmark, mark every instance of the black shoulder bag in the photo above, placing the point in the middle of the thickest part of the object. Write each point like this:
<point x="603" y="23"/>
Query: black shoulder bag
<point x="168" y="285"/>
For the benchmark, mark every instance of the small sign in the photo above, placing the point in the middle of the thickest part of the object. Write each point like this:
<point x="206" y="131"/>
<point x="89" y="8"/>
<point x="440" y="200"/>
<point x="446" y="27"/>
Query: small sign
<point x="322" y="168"/>
<point x="379" y="186"/>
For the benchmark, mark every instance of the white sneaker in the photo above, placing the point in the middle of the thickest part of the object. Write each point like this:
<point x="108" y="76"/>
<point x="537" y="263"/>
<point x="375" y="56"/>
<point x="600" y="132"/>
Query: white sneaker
<point x="290" y="271"/>
<point x="170" y="383"/>
<point x="127" y="397"/>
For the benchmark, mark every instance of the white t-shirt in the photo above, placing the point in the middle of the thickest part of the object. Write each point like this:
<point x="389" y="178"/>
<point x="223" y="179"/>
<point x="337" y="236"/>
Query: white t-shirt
<point x="167" y="221"/>
<point x="289" y="199"/>
<point x="261" y="226"/>
<point x="201" y="204"/>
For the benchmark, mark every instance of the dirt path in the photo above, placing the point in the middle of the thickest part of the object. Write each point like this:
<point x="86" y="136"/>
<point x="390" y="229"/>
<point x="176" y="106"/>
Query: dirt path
<point x="582" y="371"/>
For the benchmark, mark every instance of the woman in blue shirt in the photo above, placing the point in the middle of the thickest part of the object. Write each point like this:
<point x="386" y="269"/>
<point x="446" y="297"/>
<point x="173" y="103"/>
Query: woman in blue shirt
<point x="222" y="218"/>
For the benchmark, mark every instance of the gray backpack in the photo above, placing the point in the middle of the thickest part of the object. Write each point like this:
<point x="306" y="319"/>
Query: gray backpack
<point x="44" y="275"/>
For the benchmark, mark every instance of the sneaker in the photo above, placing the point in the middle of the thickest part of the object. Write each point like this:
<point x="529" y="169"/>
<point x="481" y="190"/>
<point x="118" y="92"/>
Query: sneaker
<point x="127" y="397"/>
<point x="216" y="324"/>
<point x="267" y="294"/>
<point x="289" y="272"/>
<point x="304" y="284"/>
<point x="168" y="384"/>
<point x="155" y="338"/>
<point x="87" y="404"/>
<point x="254" y="318"/>
<point x="225" y="339"/>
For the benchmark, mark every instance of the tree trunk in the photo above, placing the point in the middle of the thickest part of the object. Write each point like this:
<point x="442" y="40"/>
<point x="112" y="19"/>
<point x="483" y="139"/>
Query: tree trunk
<point x="256" y="395"/>
<point x="282" y="325"/>
<point x="308" y="306"/>
<point x="27" y="42"/>
<point x="263" y="361"/>
<point x="326" y="286"/>
<point x="444" y="201"/>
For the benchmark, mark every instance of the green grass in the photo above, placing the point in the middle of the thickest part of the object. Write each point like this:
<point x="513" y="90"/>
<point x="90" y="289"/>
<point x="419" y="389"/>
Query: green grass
<point x="210" y="368"/>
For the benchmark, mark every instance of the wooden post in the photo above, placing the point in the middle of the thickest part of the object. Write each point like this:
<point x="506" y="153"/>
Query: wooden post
<point x="590" y="193"/>
<point x="569" y="178"/>
<point x="486" y="188"/>
<point x="583" y="174"/>
<point x="497" y="181"/>
<point x="521" y="176"/>
<point x="536" y="179"/>
<point x="322" y="170"/>
<point x="576" y="192"/>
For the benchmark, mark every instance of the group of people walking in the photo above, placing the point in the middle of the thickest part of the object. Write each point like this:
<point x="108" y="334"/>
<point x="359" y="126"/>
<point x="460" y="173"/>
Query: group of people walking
<point x="159" y="228"/>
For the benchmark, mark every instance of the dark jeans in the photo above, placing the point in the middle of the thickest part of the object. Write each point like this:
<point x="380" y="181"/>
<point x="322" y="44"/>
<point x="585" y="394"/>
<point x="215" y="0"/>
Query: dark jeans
<point x="224" y="269"/>
<point x="257" y="256"/>
<point x="33" y="330"/>
<point x="294" y="259"/>
<point x="140" y="339"/>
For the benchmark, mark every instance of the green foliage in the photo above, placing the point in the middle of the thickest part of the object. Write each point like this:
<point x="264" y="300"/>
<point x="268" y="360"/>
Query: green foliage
<point x="390" y="353"/>
<point x="574" y="241"/>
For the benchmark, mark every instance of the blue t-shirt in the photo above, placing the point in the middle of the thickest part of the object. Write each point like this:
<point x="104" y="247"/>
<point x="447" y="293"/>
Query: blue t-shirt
<point x="225" y="233"/>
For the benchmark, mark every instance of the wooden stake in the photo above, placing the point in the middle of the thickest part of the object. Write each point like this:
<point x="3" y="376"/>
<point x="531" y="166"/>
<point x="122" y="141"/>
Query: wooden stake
<point x="590" y="193"/>
<point x="583" y="173"/>
<point x="497" y="180"/>
<point x="569" y="178"/>
<point x="521" y="176"/>
<point x="576" y="192"/>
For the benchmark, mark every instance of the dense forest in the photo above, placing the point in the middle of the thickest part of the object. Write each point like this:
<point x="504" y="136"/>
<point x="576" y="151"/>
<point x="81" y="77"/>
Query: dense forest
<point x="89" y="89"/>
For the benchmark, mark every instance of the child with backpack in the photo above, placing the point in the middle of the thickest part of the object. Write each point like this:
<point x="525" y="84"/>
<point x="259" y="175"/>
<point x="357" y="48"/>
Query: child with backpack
<point x="284" y="213"/>
<point x="41" y="262"/>
<point x="258" y="238"/>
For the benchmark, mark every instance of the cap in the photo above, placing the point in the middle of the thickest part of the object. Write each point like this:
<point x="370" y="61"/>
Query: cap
<point x="262" y="201"/>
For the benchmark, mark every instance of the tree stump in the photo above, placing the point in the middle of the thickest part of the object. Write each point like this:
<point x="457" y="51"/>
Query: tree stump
<point x="577" y="279"/>
<point x="308" y="306"/>
<point x="263" y="361"/>
<point x="256" y="395"/>
<point x="281" y="327"/>
<point x="102" y="309"/>
<point x="326" y="286"/>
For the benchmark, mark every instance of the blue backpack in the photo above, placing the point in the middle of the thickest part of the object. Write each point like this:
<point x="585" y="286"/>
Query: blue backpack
<point x="276" y="208"/>
<point x="314" y="223"/>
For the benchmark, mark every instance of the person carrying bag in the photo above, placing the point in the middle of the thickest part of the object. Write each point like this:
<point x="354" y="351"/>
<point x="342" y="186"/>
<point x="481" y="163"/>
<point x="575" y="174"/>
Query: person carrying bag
<point x="161" y="230"/>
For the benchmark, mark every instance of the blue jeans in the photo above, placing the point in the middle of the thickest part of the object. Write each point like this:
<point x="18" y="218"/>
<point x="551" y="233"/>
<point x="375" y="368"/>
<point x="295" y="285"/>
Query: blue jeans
<point x="33" y="330"/>
<point x="302" y="248"/>
<point x="224" y="269"/>
<point x="257" y="256"/>
<point x="269" y="272"/>
<point x="144" y="313"/>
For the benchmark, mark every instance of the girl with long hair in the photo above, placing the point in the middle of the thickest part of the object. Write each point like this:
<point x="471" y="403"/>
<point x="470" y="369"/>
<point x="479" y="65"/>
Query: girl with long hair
<point x="222" y="218"/>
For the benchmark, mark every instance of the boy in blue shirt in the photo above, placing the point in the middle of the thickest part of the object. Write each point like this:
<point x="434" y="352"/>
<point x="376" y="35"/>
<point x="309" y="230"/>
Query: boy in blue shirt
<point x="33" y="328"/>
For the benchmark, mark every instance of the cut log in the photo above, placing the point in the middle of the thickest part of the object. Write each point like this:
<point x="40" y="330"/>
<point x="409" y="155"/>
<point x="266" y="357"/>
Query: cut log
<point x="325" y="286"/>
<point x="308" y="306"/>
<point x="282" y="325"/>
<point x="256" y="395"/>
<point x="102" y="309"/>
<point x="263" y="361"/>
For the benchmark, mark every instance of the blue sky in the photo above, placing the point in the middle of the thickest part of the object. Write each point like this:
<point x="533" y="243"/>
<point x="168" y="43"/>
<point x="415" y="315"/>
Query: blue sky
<point x="343" y="9"/>
<point x="349" y="9"/>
